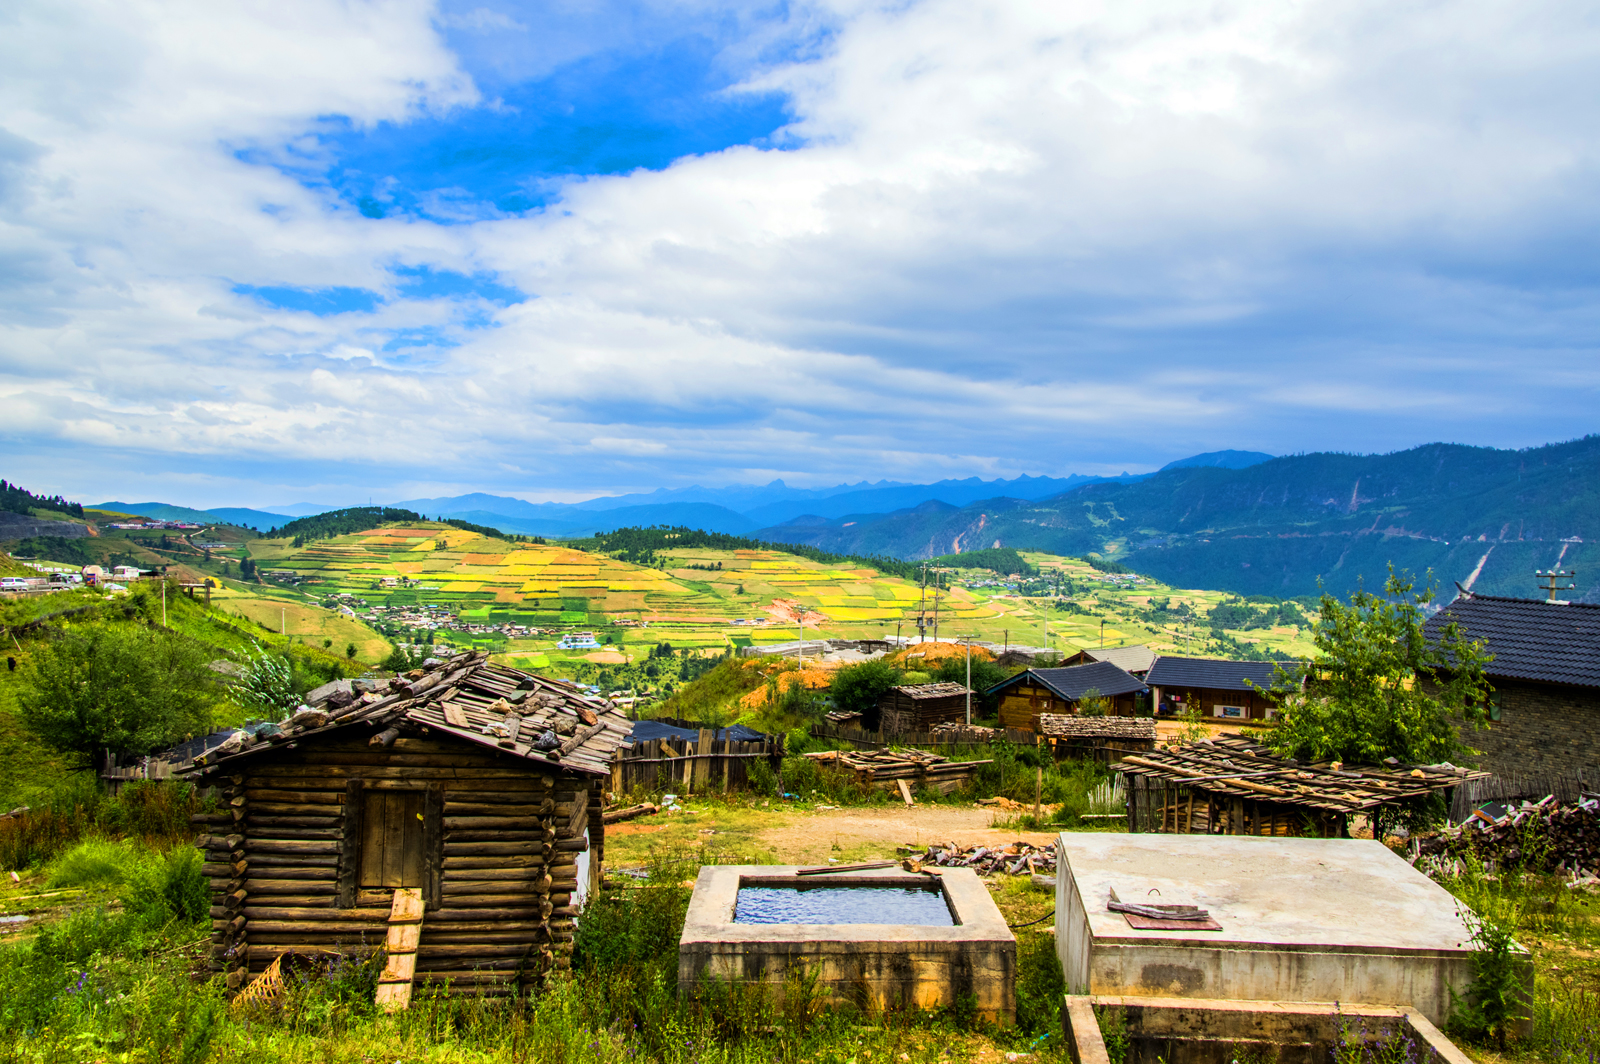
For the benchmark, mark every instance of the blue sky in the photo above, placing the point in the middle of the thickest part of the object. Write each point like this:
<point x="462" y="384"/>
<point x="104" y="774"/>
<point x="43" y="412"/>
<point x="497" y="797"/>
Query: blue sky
<point x="401" y="248"/>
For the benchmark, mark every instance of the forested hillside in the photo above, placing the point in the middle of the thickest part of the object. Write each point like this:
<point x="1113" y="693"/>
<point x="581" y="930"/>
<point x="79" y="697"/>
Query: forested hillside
<point x="1469" y="513"/>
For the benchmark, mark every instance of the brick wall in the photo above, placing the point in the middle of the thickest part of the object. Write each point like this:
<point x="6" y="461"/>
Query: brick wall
<point x="1544" y="729"/>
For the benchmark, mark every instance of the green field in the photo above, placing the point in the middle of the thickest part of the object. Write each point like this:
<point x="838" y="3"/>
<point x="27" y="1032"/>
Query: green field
<point x="714" y="599"/>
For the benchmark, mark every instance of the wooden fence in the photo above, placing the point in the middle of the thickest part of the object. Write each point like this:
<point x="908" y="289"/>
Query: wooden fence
<point x="692" y="766"/>
<point x="959" y="740"/>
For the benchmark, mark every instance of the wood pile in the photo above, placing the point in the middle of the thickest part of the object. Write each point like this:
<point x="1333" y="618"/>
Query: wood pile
<point x="1543" y="836"/>
<point x="1072" y="724"/>
<point x="1017" y="859"/>
<point x="957" y="732"/>
<point x="1234" y="766"/>
<point x="882" y="768"/>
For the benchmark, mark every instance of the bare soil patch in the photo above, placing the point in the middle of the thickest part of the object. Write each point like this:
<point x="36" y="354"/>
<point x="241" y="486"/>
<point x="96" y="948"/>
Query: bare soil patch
<point x="812" y="837"/>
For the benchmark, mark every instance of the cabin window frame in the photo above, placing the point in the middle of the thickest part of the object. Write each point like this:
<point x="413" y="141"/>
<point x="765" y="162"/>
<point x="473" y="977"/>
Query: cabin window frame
<point x="350" y="843"/>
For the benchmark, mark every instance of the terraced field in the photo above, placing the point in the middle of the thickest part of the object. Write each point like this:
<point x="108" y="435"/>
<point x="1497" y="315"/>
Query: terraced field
<point x="715" y="598"/>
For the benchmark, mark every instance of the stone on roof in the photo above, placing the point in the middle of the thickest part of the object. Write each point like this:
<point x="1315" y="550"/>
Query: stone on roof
<point x="1216" y="673"/>
<point x="1531" y="639"/>
<point x="506" y="710"/>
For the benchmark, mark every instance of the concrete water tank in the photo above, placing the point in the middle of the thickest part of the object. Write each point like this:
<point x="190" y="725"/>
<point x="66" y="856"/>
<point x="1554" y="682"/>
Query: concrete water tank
<point x="1300" y="920"/>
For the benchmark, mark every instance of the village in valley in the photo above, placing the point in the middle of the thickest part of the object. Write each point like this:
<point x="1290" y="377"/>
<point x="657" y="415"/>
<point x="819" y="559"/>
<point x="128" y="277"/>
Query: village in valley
<point x="478" y="764"/>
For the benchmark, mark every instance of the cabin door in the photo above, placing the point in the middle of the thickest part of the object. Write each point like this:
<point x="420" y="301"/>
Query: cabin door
<point x="391" y="844"/>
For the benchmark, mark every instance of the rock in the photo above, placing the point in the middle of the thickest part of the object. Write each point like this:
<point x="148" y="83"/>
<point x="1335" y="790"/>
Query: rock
<point x="1044" y="882"/>
<point x="328" y="690"/>
<point x="306" y="717"/>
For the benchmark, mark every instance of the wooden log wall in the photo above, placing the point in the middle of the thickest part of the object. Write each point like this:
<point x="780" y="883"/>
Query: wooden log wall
<point x="501" y="895"/>
<point x="691" y="767"/>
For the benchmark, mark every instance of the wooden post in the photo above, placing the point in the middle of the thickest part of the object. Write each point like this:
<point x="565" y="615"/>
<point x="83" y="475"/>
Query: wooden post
<point x="1236" y="818"/>
<point x="727" y="763"/>
<point x="702" y="774"/>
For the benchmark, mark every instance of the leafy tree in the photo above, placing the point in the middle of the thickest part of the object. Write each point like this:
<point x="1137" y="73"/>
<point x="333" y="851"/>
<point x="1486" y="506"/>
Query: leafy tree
<point x="1381" y="689"/>
<point x="1093" y="704"/>
<point x="350" y="651"/>
<point x="985" y="674"/>
<point x="118" y="689"/>
<point x="857" y="688"/>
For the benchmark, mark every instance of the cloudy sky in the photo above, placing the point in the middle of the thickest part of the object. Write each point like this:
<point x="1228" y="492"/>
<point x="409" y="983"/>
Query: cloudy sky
<point x="255" y="253"/>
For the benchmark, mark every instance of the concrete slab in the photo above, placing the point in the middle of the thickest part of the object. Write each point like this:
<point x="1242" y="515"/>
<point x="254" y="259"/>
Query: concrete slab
<point x="1302" y="920"/>
<point x="871" y="966"/>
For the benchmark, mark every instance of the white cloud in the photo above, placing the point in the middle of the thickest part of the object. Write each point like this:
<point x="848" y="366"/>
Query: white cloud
<point x="1017" y="238"/>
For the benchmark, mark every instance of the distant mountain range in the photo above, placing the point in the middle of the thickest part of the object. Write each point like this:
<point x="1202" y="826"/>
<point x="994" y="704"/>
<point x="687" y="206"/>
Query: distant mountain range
<point x="1235" y="520"/>
<point x="217" y="515"/>
<point x="1483" y="517"/>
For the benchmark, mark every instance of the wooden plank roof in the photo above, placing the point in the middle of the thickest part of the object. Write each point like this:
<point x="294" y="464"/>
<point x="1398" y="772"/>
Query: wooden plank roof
<point x="504" y="709"/>
<point x="1237" y="767"/>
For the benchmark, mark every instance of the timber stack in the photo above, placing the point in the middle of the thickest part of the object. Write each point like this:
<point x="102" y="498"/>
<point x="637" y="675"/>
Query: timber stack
<point x="884" y="768"/>
<point x="1546" y="836"/>
<point x="475" y="786"/>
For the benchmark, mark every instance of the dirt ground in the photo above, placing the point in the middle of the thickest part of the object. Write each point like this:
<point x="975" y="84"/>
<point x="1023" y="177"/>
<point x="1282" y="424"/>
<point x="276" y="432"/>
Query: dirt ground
<point x="813" y="837"/>
<point x="794" y="835"/>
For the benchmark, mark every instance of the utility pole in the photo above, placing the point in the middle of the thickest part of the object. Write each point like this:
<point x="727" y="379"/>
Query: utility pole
<point x="283" y="620"/>
<point x="967" y="639"/>
<point x="1102" y="635"/>
<point x="936" y="606"/>
<point x="1552" y="580"/>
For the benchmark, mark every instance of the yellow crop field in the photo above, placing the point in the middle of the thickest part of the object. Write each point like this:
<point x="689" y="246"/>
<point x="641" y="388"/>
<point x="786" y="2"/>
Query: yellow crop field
<point x="709" y="598"/>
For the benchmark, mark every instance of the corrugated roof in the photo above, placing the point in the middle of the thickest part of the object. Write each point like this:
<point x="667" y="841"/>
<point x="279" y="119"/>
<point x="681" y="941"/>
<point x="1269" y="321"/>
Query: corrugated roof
<point x="1129" y="659"/>
<point x="503" y="709"/>
<point x="1531" y="639"/>
<point x="1070" y="683"/>
<point x="1216" y="673"/>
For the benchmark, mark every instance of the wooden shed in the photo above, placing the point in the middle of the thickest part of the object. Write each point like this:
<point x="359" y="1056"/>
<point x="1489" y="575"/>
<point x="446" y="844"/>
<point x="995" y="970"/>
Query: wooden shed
<point x="918" y="707"/>
<point x="452" y="817"/>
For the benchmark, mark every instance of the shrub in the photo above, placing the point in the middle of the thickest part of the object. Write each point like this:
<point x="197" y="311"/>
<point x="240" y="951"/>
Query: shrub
<point x="92" y="863"/>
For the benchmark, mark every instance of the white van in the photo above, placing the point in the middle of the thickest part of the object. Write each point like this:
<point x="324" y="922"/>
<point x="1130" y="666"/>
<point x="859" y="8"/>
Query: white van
<point x="13" y="583"/>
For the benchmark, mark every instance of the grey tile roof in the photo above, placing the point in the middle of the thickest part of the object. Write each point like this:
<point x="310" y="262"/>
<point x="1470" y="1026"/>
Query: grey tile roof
<point x="1531" y="639"/>
<point x="1215" y="673"/>
<point x="1071" y="683"/>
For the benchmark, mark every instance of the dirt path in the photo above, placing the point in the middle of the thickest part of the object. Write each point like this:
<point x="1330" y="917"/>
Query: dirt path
<point x="813" y="837"/>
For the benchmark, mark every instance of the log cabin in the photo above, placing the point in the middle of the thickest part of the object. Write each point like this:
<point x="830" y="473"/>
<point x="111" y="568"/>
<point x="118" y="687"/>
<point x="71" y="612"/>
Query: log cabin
<point x="1028" y="694"/>
<point x="452" y="817"/>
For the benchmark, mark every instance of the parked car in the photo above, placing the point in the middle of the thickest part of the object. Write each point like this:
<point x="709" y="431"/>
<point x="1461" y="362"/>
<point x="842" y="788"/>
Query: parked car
<point x="13" y="583"/>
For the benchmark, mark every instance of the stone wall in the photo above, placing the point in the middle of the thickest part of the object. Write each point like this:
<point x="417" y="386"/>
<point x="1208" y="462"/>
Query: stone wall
<point x="1543" y="730"/>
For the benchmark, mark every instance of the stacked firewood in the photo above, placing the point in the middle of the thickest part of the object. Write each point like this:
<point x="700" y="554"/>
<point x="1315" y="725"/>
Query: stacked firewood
<point x="956" y="732"/>
<point x="882" y="768"/>
<point x="1017" y="859"/>
<point x="1542" y="836"/>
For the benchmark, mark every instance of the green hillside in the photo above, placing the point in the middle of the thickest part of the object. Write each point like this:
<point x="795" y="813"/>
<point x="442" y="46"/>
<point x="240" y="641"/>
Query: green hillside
<point x="1279" y="527"/>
